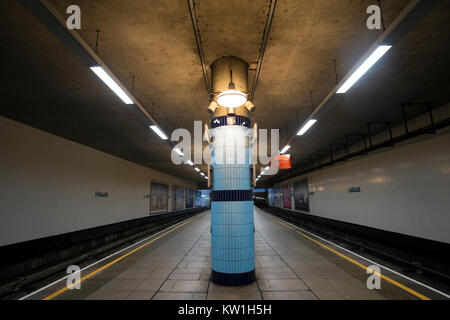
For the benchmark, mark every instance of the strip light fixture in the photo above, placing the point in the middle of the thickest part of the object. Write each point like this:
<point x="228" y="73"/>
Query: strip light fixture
<point x="197" y="169"/>
<point x="178" y="151"/>
<point x="106" y="78"/>
<point x="159" y="132"/>
<point x="285" y="149"/>
<point x="364" y="67"/>
<point x="306" y="127"/>
<point x="189" y="162"/>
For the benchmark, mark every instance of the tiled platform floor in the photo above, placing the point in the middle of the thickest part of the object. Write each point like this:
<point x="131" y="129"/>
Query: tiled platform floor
<point x="288" y="266"/>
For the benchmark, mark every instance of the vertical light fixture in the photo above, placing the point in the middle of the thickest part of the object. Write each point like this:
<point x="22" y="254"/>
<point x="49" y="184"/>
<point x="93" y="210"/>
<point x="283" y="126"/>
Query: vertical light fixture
<point x="231" y="98"/>
<point x="232" y="223"/>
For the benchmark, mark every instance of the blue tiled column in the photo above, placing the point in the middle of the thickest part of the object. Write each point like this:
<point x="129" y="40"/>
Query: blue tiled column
<point x="232" y="224"/>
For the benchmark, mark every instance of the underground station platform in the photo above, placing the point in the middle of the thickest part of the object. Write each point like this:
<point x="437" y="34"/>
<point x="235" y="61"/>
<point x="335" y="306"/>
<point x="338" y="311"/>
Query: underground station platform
<point x="210" y="159"/>
<point x="291" y="264"/>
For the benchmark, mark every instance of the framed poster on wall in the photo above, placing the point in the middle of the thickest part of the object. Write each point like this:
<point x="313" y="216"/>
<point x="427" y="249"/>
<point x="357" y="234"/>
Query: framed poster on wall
<point x="189" y="198"/>
<point x="203" y="198"/>
<point x="301" y="195"/>
<point x="271" y="197"/>
<point x="177" y="198"/>
<point x="287" y="197"/>
<point x="278" y="198"/>
<point x="159" y="194"/>
<point x="198" y="198"/>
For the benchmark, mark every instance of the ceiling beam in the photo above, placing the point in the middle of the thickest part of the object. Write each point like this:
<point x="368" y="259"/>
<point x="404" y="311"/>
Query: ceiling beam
<point x="262" y="50"/>
<point x="198" y="40"/>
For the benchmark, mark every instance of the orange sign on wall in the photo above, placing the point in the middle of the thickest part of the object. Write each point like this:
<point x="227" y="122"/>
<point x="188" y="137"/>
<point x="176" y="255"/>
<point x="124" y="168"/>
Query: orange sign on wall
<point x="285" y="161"/>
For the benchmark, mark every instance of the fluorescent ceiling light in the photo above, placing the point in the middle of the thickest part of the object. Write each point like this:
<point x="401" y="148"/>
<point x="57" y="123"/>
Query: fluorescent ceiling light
<point x="189" y="162"/>
<point x="370" y="61"/>
<point x="231" y="99"/>
<point x="266" y="168"/>
<point x="111" y="84"/>
<point x="285" y="149"/>
<point x="178" y="151"/>
<point x="159" y="132"/>
<point x="197" y="169"/>
<point x="202" y="173"/>
<point x="206" y="178"/>
<point x="306" y="127"/>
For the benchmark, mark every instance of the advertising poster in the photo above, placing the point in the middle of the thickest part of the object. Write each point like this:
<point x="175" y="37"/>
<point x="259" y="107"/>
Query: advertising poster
<point x="278" y="198"/>
<point x="275" y="197"/>
<point x="159" y="194"/>
<point x="206" y="201"/>
<point x="198" y="198"/>
<point x="177" y="198"/>
<point x="202" y="198"/>
<point x="271" y="197"/>
<point x="301" y="195"/>
<point x="287" y="197"/>
<point x="189" y="198"/>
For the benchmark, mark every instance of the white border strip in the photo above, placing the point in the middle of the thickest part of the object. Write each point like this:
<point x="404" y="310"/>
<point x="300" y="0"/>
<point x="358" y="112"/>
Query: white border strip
<point x="103" y="259"/>
<point x="364" y="258"/>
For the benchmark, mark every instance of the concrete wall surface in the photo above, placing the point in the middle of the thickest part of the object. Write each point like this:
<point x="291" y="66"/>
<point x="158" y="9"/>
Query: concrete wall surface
<point x="48" y="185"/>
<point x="404" y="189"/>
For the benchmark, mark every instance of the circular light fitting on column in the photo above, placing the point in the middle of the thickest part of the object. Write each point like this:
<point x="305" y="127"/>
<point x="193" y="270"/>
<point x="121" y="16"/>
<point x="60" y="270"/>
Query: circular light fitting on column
<point x="231" y="99"/>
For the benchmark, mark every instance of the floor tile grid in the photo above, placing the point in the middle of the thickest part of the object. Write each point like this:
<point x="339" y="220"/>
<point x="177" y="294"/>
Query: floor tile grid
<point x="184" y="294"/>
<point x="281" y="258"/>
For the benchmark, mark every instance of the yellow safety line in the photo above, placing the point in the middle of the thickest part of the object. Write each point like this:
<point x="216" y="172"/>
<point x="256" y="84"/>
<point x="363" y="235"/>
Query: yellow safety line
<point x="401" y="286"/>
<point x="57" y="293"/>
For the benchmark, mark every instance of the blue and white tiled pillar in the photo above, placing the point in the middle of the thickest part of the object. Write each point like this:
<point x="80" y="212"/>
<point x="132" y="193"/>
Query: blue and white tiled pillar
<point x="232" y="224"/>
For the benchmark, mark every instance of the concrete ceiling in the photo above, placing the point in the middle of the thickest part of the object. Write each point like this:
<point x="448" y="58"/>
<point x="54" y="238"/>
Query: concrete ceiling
<point x="412" y="71"/>
<point x="44" y="85"/>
